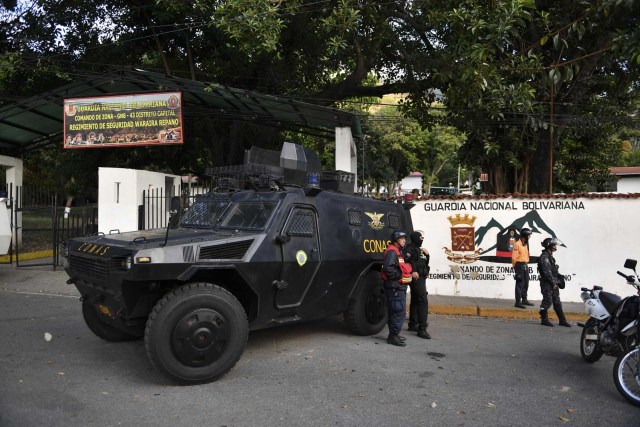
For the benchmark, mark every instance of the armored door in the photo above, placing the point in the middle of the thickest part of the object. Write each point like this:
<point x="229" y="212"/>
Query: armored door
<point x="300" y="254"/>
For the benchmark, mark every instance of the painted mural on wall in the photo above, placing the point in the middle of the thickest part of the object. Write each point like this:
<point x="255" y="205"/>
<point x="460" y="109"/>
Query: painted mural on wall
<point x="470" y="242"/>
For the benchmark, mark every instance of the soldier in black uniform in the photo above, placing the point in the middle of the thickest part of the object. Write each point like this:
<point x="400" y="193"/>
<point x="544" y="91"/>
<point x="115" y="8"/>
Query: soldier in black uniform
<point x="418" y="256"/>
<point x="549" y="283"/>
<point x="396" y="275"/>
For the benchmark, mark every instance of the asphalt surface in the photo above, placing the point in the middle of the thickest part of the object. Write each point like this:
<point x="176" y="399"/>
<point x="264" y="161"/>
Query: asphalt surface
<point x="477" y="370"/>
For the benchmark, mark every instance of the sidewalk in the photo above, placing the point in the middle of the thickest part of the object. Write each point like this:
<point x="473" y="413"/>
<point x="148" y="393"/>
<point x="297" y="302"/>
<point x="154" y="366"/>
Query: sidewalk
<point x="493" y="307"/>
<point x="45" y="280"/>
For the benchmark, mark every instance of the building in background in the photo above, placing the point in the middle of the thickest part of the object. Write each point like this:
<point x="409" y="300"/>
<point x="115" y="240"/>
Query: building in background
<point x="628" y="179"/>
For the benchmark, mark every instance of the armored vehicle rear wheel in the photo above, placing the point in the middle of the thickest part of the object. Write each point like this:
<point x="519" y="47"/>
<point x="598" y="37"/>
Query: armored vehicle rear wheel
<point x="102" y="329"/>
<point x="196" y="333"/>
<point x="367" y="312"/>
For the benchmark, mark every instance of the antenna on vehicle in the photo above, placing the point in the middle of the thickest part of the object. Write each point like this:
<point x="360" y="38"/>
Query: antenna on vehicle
<point x="173" y="211"/>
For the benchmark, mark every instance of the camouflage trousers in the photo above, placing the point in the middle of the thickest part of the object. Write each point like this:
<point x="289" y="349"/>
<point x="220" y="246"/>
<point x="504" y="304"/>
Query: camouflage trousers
<point x="550" y="295"/>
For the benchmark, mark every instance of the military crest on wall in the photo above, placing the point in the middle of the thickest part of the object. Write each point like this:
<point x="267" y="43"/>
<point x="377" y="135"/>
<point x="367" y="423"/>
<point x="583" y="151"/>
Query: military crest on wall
<point x="463" y="250"/>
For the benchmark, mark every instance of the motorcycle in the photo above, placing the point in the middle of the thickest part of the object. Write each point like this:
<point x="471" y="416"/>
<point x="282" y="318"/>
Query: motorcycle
<point x="612" y="329"/>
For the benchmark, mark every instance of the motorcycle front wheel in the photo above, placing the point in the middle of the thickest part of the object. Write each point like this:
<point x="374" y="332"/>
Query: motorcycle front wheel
<point x="590" y="350"/>
<point x="626" y="375"/>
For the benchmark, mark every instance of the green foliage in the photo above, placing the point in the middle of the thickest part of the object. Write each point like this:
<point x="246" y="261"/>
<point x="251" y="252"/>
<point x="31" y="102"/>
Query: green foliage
<point x="500" y="65"/>
<point x="396" y="145"/>
<point x="629" y="139"/>
<point x="585" y="156"/>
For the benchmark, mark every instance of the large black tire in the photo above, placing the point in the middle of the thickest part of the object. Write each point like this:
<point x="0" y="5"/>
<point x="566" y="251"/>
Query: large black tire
<point x="626" y="375"/>
<point x="367" y="310"/>
<point x="196" y="333"/>
<point x="590" y="350"/>
<point x="93" y="319"/>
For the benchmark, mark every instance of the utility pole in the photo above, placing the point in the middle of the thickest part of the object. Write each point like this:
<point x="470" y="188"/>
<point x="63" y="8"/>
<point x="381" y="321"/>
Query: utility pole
<point x="551" y="136"/>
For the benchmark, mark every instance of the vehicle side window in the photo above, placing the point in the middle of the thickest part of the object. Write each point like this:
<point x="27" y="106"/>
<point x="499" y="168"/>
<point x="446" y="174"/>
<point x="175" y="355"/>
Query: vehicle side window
<point x="394" y="221"/>
<point x="303" y="223"/>
<point x="355" y="216"/>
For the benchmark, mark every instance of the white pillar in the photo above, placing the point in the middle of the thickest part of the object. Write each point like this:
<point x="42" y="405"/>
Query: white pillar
<point x="346" y="158"/>
<point x="14" y="169"/>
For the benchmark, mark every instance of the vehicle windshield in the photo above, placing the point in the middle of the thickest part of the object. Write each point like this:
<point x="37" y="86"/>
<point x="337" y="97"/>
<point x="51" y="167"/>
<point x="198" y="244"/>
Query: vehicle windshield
<point x="254" y="214"/>
<point x="206" y="211"/>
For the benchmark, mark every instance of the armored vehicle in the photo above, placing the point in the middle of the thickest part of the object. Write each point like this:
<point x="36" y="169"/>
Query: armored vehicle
<point x="236" y="261"/>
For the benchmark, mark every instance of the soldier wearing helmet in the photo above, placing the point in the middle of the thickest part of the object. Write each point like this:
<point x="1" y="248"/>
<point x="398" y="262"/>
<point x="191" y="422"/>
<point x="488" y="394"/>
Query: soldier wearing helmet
<point x="520" y="263"/>
<point x="549" y="283"/>
<point x="418" y="257"/>
<point x="397" y="276"/>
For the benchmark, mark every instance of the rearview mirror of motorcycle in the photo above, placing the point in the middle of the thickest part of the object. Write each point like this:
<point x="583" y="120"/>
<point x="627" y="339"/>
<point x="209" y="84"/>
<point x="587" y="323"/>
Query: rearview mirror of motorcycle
<point x="631" y="263"/>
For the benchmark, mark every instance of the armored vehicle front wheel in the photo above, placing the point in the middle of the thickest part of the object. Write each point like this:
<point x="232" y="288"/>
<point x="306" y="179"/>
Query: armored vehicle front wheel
<point x="196" y="333"/>
<point x="367" y="312"/>
<point x="102" y="329"/>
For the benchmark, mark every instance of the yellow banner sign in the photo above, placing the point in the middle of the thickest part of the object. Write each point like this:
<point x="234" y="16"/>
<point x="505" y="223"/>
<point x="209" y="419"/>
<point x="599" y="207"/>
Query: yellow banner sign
<point x="123" y="120"/>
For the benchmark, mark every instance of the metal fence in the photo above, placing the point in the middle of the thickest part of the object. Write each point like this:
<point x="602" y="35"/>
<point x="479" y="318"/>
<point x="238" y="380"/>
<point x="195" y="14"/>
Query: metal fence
<point x="38" y="225"/>
<point x="154" y="212"/>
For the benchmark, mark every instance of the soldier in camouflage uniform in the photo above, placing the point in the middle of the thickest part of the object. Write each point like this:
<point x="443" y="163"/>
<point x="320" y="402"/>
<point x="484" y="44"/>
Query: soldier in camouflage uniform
<point x="549" y="283"/>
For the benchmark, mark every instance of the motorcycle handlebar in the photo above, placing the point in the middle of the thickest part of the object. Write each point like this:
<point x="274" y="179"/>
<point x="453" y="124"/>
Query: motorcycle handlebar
<point x="624" y="275"/>
<point x="634" y="281"/>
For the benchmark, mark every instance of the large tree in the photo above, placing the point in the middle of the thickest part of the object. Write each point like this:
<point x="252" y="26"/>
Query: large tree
<point x="524" y="77"/>
<point x="396" y="145"/>
<point x="501" y="65"/>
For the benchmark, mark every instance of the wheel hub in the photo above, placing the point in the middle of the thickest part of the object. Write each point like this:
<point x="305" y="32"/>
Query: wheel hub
<point x="200" y="337"/>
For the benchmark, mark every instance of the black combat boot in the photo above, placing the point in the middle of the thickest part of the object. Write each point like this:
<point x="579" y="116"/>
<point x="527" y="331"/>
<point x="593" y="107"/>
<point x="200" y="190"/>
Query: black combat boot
<point x="395" y="340"/>
<point x="562" y="319"/>
<point x="526" y="302"/>
<point x="519" y="305"/>
<point x="422" y="333"/>
<point x="545" y="318"/>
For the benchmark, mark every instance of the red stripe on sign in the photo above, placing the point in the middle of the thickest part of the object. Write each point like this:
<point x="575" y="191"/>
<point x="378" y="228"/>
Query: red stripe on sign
<point x="503" y="254"/>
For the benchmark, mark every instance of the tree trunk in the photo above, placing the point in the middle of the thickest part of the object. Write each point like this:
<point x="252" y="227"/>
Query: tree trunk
<point x="539" y="172"/>
<point x="497" y="180"/>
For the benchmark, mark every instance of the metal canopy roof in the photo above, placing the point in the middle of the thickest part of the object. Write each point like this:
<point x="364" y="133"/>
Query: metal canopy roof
<point x="40" y="118"/>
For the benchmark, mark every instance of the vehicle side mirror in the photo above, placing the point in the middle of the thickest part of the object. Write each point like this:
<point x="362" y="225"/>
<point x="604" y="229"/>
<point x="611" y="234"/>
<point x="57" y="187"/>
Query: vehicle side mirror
<point x="631" y="264"/>
<point x="283" y="238"/>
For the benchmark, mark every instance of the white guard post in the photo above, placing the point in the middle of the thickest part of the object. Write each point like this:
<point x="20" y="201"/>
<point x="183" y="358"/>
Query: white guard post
<point x="120" y="196"/>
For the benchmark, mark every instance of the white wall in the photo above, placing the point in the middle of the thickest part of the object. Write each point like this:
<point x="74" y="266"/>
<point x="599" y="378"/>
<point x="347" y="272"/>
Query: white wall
<point x="630" y="184"/>
<point x="599" y="234"/>
<point x="409" y="183"/>
<point x="120" y="194"/>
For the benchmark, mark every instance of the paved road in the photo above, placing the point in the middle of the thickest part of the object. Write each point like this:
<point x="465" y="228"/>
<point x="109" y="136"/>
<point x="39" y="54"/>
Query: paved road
<point x="476" y="371"/>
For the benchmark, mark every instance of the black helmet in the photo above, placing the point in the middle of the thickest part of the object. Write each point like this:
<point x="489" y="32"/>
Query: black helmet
<point x="525" y="232"/>
<point x="551" y="242"/>
<point x="397" y="234"/>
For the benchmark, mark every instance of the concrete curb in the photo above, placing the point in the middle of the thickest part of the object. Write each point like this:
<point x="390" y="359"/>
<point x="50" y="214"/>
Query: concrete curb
<point x="469" y="310"/>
